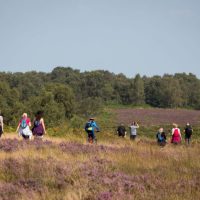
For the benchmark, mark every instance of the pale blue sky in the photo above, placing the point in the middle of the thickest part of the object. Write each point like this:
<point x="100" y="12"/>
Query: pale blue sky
<point x="149" y="37"/>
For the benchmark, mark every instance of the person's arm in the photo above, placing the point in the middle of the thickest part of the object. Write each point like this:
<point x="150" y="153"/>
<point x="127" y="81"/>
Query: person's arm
<point x="29" y="122"/>
<point x="42" y="121"/>
<point x="33" y="123"/>
<point x="17" y="130"/>
<point x="2" y="123"/>
<point x="180" y="133"/>
<point x="118" y="130"/>
<point x="172" y="131"/>
<point x="95" y="125"/>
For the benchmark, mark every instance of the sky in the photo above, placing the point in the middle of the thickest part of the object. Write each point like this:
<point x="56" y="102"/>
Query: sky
<point x="150" y="37"/>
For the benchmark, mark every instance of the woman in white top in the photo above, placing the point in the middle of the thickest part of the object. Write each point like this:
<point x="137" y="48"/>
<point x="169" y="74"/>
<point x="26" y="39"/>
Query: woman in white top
<point x="133" y="130"/>
<point x="23" y="128"/>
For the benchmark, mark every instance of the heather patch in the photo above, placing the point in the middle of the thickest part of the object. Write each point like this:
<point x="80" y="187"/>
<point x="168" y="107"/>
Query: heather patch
<point x="11" y="145"/>
<point x="72" y="170"/>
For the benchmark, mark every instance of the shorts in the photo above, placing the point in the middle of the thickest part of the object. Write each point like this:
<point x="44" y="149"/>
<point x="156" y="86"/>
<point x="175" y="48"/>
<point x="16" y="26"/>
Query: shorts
<point x="132" y="137"/>
<point x="26" y="137"/>
<point x="121" y="134"/>
<point x="187" y="136"/>
<point x="91" y="134"/>
<point x="38" y="134"/>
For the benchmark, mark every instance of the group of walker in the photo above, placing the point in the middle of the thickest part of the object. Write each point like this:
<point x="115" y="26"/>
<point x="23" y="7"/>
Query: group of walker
<point x="121" y="130"/>
<point x="26" y="130"/>
<point x="161" y="136"/>
<point x="176" y="136"/>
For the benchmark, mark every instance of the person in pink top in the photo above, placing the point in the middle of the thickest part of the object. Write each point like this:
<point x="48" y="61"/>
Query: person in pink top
<point x="176" y="135"/>
<point x="23" y="127"/>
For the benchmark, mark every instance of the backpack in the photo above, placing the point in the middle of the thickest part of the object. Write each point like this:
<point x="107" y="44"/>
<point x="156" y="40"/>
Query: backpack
<point x="121" y="131"/>
<point x="88" y="126"/>
<point x="188" y="130"/>
<point x="159" y="138"/>
<point x="36" y="123"/>
<point x="23" y="124"/>
<point x="176" y="133"/>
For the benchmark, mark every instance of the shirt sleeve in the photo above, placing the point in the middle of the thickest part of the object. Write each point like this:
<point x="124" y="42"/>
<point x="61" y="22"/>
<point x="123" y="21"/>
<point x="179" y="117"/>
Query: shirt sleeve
<point x="28" y="120"/>
<point x="95" y="125"/>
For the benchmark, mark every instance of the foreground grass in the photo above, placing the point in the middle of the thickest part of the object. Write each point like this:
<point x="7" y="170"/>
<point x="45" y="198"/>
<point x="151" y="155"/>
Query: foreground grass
<point x="68" y="168"/>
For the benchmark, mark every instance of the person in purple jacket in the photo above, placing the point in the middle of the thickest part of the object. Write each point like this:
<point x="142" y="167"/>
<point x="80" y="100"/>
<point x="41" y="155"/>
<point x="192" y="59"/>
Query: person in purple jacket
<point x="38" y="125"/>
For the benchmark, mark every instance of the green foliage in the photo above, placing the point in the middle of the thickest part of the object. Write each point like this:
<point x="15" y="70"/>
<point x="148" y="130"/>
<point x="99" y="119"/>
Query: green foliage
<point x="65" y="92"/>
<point x="138" y="91"/>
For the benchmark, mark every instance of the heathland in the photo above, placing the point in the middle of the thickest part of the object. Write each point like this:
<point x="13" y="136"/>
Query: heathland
<point x="64" y="166"/>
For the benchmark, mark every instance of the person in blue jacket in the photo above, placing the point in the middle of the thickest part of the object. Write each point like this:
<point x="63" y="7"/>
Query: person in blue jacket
<point x="161" y="137"/>
<point x="90" y="128"/>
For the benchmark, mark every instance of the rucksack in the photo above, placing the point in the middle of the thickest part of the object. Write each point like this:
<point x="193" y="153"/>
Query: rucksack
<point x="36" y="123"/>
<point x="88" y="126"/>
<point x="176" y="132"/>
<point x="159" y="137"/>
<point x="23" y="124"/>
<point x="121" y="131"/>
<point x="188" y="131"/>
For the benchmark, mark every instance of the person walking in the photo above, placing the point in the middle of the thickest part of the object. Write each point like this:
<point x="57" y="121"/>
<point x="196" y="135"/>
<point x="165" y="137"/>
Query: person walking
<point x="1" y="124"/>
<point x="188" y="133"/>
<point x="121" y="130"/>
<point x="23" y="128"/>
<point x="176" y="135"/>
<point x="133" y="130"/>
<point x="90" y="128"/>
<point x="161" y="137"/>
<point x="39" y="129"/>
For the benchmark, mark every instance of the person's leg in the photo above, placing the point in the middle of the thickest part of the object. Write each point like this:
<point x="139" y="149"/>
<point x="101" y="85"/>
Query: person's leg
<point x="189" y="140"/>
<point x="1" y="132"/>
<point x="30" y="137"/>
<point x="132" y="137"/>
<point x="90" y="137"/>
<point x="93" y="136"/>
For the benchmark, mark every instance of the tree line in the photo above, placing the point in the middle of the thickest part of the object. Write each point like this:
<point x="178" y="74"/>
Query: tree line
<point x="66" y="92"/>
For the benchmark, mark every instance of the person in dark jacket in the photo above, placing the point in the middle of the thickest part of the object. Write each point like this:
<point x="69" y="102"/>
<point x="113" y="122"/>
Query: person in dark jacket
<point x="161" y="137"/>
<point x="188" y="133"/>
<point x="121" y="130"/>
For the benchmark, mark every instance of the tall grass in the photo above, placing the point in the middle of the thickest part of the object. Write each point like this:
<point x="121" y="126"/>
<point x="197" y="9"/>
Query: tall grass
<point x="116" y="168"/>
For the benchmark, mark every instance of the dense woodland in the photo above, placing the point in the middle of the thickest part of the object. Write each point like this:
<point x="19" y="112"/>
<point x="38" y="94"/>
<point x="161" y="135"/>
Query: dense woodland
<point x="66" y="92"/>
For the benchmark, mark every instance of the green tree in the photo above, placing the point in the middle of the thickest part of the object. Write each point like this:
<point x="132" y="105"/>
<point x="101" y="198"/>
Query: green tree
<point x="138" y="94"/>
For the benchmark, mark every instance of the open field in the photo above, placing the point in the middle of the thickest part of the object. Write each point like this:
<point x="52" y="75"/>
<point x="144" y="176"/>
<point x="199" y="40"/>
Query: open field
<point x="67" y="168"/>
<point x="158" y="116"/>
<point x="116" y="169"/>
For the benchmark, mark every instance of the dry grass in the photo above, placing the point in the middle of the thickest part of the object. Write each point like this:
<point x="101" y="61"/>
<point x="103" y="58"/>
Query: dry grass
<point x="114" y="169"/>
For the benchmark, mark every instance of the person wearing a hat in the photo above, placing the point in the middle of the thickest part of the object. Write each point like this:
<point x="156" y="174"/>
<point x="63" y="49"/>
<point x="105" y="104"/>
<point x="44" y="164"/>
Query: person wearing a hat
<point x="90" y="128"/>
